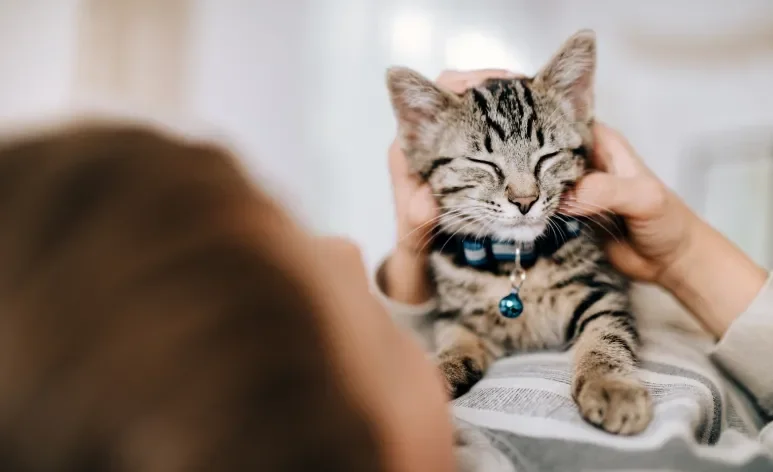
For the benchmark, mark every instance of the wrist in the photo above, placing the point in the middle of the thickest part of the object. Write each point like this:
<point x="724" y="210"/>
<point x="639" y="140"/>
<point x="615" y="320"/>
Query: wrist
<point x="689" y="255"/>
<point x="713" y="278"/>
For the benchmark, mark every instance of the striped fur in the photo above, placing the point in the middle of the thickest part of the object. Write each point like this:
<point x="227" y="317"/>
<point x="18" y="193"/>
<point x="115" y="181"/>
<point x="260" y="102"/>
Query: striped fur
<point x="480" y="152"/>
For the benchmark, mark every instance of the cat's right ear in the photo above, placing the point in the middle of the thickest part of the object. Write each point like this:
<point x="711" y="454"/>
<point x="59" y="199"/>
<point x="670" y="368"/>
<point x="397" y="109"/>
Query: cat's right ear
<point x="421" y="107"/>
<point x="569" y="75"/>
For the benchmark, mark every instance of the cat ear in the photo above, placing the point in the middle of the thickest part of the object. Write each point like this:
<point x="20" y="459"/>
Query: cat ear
<point x="421" y="108"/>
<point x="569" y="75"/>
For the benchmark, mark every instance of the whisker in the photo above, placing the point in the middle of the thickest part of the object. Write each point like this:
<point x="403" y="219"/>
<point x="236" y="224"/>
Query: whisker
<point x="426" y="225"/>
<point x="586" y="225"/>
<point x="604" y="227"/>
<point x="456" y="232"/>
<point x="432" y="220"/>
<point x="604" y="214"/>
<point x="609" y="219"/>
<point x="588" y="205"/>
<point x="486" y="225"/>
<point x="459" y="218"/>
<point x="599" y="223"/>
<point x="557" y="228"/>
<point x="452" y="207"/>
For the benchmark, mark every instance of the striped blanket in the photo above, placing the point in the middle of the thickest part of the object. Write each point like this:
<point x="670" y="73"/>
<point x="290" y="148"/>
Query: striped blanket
<point x="521" y="417"/>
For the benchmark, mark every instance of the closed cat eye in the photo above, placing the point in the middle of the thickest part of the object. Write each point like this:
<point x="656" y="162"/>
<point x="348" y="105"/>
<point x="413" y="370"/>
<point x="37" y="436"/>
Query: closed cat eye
<point x="493" y="166"/>
<point x="543" y="159"/>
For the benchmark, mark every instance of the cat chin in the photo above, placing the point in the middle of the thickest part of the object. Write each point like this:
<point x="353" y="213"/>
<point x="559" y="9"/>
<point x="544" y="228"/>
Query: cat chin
<point x="525" y="232"/>
<point x="522" y="233"/>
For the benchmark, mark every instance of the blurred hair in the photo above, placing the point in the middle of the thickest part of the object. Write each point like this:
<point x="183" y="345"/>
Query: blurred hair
<point x="145" y="323"/>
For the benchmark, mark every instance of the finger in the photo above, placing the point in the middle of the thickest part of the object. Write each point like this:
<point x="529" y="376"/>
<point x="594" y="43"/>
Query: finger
<point x="636" y="197"/>
<point x="400" y="172"/>
<point x="623" y="256"/>
<point x="459" y="81"/>
<point x="570" y="206"/>
<point x="613" y="153"/>
<point x="422" y="207"/>
<point x="448" y="77"/>
<point x="397" y="161"/>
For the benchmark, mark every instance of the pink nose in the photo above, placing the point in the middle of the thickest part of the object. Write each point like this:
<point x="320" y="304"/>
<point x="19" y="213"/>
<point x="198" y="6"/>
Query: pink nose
<point x="524" y="204"/>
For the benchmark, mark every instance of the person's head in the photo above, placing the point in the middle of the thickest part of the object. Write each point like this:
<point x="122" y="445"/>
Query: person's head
<point x="159" y="313"/>
<point x="499" y="156"/>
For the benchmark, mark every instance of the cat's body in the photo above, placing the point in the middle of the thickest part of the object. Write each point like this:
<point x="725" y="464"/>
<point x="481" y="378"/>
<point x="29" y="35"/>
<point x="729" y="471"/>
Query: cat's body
<point x="498" y="159"/>
<point x="555" y="288"/>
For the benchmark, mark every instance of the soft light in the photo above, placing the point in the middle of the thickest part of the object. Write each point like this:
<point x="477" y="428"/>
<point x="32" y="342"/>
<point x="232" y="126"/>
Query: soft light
<point x="411" y="36"/>
<point x="475" y="50"/>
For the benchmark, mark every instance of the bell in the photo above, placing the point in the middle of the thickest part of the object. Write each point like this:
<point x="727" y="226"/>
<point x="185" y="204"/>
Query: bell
<point x="511" y="306"/>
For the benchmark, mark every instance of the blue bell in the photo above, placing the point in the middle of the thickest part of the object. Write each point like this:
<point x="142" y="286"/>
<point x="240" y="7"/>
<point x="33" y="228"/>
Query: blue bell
<point x="511" y="306"/>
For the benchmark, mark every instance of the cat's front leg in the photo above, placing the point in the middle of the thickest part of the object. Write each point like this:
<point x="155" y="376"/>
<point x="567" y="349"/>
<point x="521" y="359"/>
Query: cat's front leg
<point x="461" y="357"/>
<point x="604" y="386"/>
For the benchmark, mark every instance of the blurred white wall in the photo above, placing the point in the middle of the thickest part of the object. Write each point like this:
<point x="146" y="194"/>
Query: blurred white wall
<point x="37" y="57"/>
<point x="297" y="87"/>
<point x="246" y="79"/>
<point x="133" y="53"/>
<point x="664" y="98"/>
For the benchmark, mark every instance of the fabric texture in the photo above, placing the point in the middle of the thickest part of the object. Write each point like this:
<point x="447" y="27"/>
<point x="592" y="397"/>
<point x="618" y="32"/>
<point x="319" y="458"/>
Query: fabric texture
<point x="712" y="402"/>
<point x="746" y="349"/>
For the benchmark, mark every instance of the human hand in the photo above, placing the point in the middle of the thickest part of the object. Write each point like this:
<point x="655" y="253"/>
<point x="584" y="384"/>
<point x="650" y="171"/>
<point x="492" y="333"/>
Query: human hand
<point x="405" y="275"/>
<point x="666" y="242"/>
<point x="659" y="225"/>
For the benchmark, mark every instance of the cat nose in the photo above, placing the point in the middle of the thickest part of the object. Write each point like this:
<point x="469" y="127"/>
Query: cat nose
<point x="523" y="202"/>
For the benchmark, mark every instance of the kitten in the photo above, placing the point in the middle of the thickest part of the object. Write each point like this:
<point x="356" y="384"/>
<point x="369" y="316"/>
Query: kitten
<point x="498" y="159"/>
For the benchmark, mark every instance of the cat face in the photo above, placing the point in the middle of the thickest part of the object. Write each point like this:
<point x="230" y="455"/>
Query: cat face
<point x="499" y="157"/>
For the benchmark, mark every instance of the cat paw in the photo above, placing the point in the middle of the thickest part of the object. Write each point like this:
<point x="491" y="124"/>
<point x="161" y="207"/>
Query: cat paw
<point x="616" y="404"/>
<point x="460" y="374"/>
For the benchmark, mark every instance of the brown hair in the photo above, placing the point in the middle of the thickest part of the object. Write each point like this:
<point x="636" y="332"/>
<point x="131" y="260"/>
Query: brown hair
<point x="142" y="327"/>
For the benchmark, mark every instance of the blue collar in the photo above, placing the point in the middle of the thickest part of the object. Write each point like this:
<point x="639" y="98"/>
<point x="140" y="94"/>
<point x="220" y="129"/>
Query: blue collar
<point x="487" y="253"/>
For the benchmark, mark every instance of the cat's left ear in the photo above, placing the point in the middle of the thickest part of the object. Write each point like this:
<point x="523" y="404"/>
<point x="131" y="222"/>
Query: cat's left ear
<point x="422" y="109"/>
<point x="570" y="74"/>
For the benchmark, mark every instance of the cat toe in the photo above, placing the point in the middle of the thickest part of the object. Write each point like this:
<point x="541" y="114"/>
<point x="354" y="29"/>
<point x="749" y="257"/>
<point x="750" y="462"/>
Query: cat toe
<point x="460" y="373"/>
<point x="618" y="405"/>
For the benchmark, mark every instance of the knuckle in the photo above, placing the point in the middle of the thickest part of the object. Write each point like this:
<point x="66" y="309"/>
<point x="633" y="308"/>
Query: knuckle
<point x="447" y="76"/>
<point x="657" y="195"/>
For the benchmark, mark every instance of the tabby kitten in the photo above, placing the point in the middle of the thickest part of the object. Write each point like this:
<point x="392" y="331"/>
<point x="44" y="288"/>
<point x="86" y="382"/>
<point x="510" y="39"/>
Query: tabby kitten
<point x="498" y="158"/>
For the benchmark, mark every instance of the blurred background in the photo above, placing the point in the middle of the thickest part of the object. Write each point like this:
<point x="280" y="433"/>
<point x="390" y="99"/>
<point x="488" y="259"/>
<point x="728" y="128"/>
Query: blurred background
<point x="296" y="87"/>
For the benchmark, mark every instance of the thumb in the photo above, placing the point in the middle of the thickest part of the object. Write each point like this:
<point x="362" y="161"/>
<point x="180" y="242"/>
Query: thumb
<point x="422" y="207"/>
<point x="629" y="262"/>
<point x="634" y="197"/>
